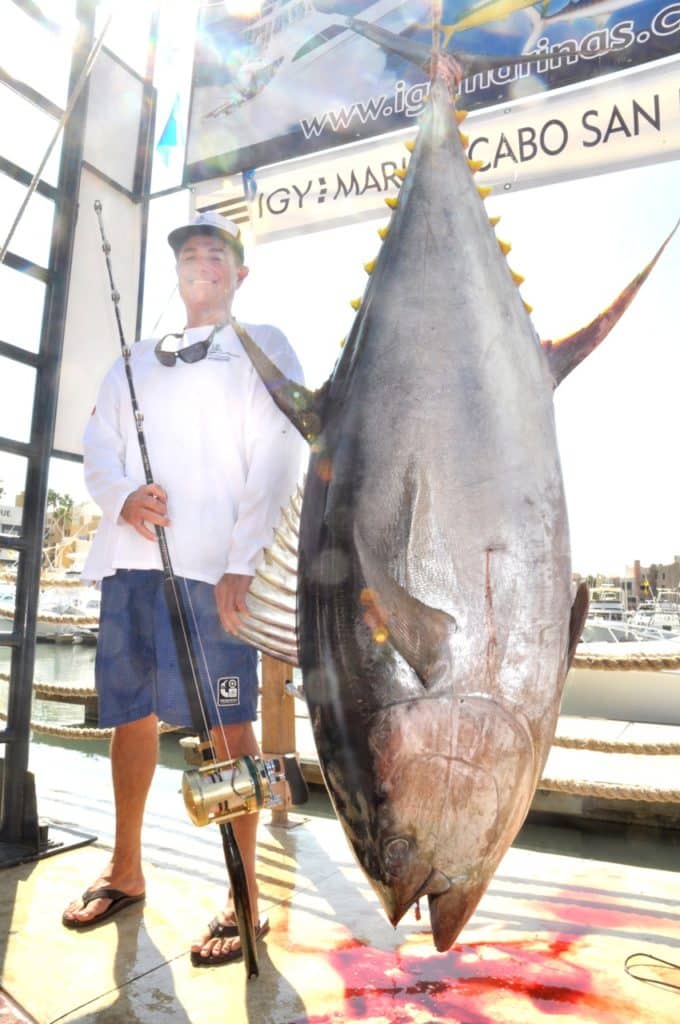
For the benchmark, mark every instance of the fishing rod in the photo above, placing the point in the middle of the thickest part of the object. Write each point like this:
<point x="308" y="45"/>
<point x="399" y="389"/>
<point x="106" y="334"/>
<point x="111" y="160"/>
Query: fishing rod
<point x="190" y="674"/>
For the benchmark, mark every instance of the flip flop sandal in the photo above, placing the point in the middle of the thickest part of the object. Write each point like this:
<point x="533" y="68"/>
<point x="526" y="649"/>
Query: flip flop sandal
<point x="219" y="930"/>
<point x="215" y="928"/>
<point x="119" y="900"/>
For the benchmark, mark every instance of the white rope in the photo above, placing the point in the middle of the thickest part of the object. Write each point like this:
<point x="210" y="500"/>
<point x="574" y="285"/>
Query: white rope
<point x="61" y="620"/>
<point x="627" y="661"/>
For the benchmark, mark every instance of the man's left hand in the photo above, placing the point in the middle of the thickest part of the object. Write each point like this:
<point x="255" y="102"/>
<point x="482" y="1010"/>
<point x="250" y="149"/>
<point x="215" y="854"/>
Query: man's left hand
<point x="230" y="597"/>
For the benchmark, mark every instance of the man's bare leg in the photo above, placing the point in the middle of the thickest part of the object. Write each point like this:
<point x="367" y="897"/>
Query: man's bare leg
<point x="235" y="741"/>
<point x="134" y="753"/>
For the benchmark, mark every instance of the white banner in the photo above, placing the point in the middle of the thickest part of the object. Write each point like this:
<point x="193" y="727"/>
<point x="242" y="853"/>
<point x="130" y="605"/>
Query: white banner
<point x="279" y="80"/>
<point x="624" y="120"/>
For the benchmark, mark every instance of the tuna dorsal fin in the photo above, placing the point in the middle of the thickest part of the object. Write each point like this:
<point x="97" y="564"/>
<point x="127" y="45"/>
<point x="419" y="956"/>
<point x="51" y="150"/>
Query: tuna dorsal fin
<point x="302" y="406"/>
<point x="579" y="610"/>
<point x="564" y="355"/>
<point x="419" y="633"/>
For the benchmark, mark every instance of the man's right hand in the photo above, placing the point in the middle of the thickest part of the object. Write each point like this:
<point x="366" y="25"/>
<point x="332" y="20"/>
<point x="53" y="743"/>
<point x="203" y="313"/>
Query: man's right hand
<point x="148" y="504"/>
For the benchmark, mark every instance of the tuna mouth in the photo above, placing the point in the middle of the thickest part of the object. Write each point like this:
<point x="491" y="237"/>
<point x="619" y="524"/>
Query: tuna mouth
<point x="405" y="885"/>
<point x="451" y="899"/>
<point x="450" y="910"/>
<point x="438" y="883"/>
<point x="406" y="877"/>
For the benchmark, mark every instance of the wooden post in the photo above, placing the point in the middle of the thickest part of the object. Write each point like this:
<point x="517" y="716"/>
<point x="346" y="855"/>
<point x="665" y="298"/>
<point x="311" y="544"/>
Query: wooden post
<point x="278" y="717"/>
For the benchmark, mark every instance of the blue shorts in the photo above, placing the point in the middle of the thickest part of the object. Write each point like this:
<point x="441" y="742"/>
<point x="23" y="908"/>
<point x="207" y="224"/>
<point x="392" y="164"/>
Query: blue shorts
<point x="136" y="668"/>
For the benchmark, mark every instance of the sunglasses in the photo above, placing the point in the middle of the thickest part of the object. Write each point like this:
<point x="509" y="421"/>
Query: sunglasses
<point x="190" y="354"/>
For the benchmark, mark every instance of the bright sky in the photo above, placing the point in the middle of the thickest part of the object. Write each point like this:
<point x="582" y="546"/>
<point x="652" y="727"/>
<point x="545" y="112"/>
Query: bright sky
<point x="577" y="244"/>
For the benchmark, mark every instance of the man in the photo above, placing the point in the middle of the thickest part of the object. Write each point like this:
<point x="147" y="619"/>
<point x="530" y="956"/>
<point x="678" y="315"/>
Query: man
<point x="225" y="461"/>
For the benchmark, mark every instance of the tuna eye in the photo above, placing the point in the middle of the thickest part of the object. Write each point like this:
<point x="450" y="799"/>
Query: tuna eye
<point x="397" y="853"/>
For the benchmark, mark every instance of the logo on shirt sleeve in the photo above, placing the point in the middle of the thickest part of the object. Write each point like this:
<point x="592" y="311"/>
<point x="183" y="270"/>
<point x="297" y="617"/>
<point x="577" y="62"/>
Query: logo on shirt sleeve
<point x="228" y="691"/>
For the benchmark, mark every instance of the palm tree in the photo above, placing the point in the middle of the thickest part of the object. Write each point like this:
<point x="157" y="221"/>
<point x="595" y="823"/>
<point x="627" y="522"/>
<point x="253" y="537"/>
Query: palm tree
<point x="57" y="526"/>
<point x="61" y="506"/>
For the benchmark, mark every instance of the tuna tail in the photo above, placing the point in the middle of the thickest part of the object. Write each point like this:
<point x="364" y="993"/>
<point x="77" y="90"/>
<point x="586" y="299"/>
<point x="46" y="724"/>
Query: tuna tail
<point x="416" y="53"/>
<point x="460" y="63"/>
<point x="302" y="406"/>
<point x="565" y="355"/>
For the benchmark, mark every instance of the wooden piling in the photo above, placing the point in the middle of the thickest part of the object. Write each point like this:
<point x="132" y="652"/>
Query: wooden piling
<point x="277" y="717"/>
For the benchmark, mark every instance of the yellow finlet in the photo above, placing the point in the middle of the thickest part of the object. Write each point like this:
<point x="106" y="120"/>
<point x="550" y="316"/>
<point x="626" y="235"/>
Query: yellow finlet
<point x="343" y="342"/>
<point x="410" y="145"/>
<point x="400" y="172"/>
<point x="528" y="308"/>
<point x="465" y="139"/>
<point x="355" y="303"/>
<point x="493" y="221"/>
<point x="383" y="232"/>
<point x="475" y="165"/>
<point x="483" y="191"/>
<point x="504" y="247"/>
<point x="392" y="203"/>
<point x="370" y="266"/>
<point x="460" y="115"/>
<point x="517" y="278"/>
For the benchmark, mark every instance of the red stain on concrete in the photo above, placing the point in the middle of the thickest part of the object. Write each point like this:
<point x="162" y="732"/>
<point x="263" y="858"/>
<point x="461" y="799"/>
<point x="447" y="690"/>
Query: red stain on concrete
<point x="470" y="983"/>
<point x="598" y="913"/>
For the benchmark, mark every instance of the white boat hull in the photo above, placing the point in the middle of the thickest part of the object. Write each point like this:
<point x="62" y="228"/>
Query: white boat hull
<point x="627" y="695"/>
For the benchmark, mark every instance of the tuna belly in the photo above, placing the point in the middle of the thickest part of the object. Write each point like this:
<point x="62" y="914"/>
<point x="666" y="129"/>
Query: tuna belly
<point x="456" y="777"/>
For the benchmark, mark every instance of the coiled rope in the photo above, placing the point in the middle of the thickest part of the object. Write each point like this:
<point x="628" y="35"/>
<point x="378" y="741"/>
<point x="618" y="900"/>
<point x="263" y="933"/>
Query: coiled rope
<point x="626" y="662"/>
<point x="85" y="621"/>
<point x="612" y="791"/>
<point x="614" y="746"/>
<point x="77" y="732"/>
<point x="45" y="581"/>
<point x="52" y="691"/>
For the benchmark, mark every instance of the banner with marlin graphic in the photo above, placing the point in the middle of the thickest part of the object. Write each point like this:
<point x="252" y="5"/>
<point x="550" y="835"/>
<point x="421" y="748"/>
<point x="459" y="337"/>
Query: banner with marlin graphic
<point x="613" y="123"/>
<point x="277" y="79"/>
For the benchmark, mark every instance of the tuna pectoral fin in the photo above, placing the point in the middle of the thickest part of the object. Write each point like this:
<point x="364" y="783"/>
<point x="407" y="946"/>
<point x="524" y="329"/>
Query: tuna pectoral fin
<point x="419" y="633"/>
<point x="579" y="610"/>
<point x="298" y="403"/>
<point x="564" y="355"/>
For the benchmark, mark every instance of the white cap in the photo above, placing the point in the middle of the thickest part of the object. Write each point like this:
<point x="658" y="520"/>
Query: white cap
<point x="208" y="223"/>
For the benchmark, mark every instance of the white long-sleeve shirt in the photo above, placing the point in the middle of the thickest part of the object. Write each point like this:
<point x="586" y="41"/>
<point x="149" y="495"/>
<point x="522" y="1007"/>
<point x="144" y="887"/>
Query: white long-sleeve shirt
<point x="226" y="456"/>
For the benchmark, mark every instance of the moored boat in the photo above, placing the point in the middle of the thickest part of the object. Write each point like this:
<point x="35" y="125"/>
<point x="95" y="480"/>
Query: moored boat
<point x="663" y="612"/>
<point x="64" y="611"/>
<point x="631" y="688"/>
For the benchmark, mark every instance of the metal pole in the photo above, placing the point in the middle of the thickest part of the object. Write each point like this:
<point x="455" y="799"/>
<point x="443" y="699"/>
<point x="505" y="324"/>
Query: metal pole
<point x="18" y="815"/>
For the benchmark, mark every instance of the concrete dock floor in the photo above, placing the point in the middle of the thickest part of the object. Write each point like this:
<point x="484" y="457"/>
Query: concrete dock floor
<point x="550" y="937"/>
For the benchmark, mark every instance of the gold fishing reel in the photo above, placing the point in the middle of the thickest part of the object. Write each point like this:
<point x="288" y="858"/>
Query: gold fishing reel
<point x="218" y="791"/>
